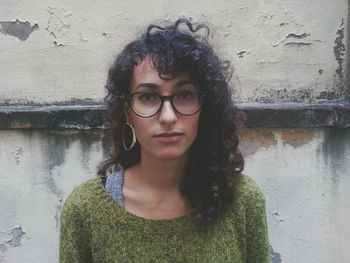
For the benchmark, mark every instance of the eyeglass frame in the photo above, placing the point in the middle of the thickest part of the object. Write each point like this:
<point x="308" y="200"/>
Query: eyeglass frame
<point x="170" y="98"/>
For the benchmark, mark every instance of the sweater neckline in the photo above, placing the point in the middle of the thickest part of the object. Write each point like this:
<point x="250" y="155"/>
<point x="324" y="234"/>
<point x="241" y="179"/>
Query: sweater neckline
<point x="130" y="217"/>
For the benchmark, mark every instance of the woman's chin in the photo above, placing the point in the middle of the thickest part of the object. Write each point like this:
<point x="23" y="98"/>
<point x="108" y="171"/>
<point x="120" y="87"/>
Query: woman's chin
<point x="169" y="155"/>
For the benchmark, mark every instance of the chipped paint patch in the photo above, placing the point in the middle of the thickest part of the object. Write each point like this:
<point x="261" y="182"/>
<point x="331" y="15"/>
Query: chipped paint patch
<point x="17" y="153"/>
<point x="17" y="233"/>
<point x="59" y="25"/>
<point x="240" y="54"/>
<point x="275" y="257"/>
<point x="296" y="138"/>
<point x="299" y="36"/>
<point x="252" y="140"/>
<point x="18" y="29"/>
<point x="297" y="40"/>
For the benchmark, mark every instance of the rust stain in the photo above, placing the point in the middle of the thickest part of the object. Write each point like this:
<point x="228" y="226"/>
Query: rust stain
<point x="297" y="138"/>
<point x="252" y="140"/>
<point x="19" y="125"/>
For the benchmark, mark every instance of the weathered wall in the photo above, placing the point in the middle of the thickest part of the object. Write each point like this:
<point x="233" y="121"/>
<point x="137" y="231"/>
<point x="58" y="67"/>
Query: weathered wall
<point x="38" y="170"/>
<point x="304" y="175"/>
<point x="282" y="51"/>
<point x="54" y="51"/>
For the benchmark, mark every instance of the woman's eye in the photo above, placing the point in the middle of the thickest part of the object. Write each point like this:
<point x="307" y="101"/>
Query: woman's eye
<point x="186" y="95"/>
<point x="147" y="97"/>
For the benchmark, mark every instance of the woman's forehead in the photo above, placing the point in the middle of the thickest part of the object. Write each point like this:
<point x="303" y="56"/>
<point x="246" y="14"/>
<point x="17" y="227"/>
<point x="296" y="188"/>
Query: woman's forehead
<point x="145" y="72"/>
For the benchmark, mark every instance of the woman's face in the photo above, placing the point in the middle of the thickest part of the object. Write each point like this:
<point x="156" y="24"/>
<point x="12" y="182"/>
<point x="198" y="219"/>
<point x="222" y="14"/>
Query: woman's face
<point x="167" y="135"/>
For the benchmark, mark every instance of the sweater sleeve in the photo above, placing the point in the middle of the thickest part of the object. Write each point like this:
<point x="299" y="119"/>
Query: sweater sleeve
<point x="257" y="242"/>
<point x="74" y="238"/>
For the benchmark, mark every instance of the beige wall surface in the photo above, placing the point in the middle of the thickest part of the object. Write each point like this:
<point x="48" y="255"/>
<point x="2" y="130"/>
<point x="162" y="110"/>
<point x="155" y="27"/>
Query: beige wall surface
<point x="282" y="51"/>
<point x="58" y="51"/>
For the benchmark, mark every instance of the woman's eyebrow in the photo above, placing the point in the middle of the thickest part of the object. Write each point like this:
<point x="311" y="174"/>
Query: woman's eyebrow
<point x="156" y="87"/>
<point x="147" y="85"/>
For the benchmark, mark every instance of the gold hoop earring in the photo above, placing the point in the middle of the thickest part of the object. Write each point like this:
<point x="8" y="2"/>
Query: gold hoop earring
<point x="133" y="141"/>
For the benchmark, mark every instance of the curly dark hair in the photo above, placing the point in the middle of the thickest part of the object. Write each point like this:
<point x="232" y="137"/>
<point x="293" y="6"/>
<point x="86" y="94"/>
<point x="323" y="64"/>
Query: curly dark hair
<point x="214" y="157"/>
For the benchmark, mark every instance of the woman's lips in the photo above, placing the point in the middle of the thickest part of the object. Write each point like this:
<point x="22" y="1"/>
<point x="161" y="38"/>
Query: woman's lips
<point x="169" y="137"/>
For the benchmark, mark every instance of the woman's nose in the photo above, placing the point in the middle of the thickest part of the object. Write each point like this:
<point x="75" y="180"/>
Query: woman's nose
<point x="167" y="113"/>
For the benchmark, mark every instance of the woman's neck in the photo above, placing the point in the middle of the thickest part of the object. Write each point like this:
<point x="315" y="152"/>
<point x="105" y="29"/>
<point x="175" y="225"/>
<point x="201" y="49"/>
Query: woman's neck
<point x="157" y="175"/>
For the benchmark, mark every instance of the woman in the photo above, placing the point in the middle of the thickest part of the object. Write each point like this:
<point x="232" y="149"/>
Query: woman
<point x="172" y="190"/>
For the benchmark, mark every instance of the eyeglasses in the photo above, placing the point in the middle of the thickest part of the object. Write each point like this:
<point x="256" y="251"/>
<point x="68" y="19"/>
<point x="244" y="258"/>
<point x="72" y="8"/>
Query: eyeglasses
<point x="147" y="104"/>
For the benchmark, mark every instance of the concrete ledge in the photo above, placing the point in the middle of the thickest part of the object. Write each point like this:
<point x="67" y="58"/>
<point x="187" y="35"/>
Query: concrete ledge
<point x="257" y="115"/>
<point x="297" y="115"/>
<point x="52" y="117"/>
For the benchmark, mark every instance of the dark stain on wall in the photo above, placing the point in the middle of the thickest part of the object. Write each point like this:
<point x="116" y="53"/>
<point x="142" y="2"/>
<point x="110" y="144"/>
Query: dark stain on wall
<point x="283" y="95"/>
<point x="307" y="95"/>
<point x="55" y="146"/>
<point x="57" y="142"/>
<point x="90" y="137"/>
<point x="18" y="29"/>
<point x="336" y="149"/>
<point x="339" y="50"/>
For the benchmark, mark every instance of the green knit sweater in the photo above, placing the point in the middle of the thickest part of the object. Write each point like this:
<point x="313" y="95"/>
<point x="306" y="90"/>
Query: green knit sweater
<point x="94" y="228"/>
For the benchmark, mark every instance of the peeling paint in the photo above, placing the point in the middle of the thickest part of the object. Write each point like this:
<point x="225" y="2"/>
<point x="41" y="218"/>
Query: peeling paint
<point x="241" y="53"/>
<point x="16" y="240"/>
<point x="299" y="36"/>
<point x="58" y="44"/>
<point x="59" y="25"/>
<point x="2" y="248"/>
<point x="296" y="40"/>
<point x="107" y="35"/>
<point x="296" y="138"/>
<point x="298" y="44"/>
<point x="339" y="50"/>
<point x="17" y="234"/>
<point x="277" y="217"/>
<point x="17" y="153"/>
<point x="18" y="29"/>
<point x="275" y="257"/>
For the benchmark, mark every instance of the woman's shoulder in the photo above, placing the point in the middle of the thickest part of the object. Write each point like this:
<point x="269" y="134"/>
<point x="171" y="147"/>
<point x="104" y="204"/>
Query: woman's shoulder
<point x="83" y="194"/>
<point x="247" y="190"/>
